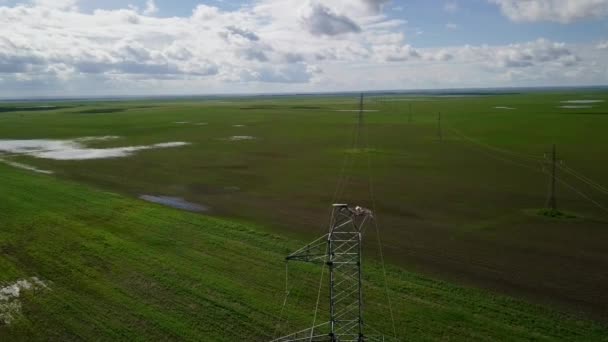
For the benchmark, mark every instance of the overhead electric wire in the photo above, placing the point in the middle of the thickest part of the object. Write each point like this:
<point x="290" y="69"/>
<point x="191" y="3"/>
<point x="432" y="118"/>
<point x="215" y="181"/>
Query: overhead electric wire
<point x="494" y="155"/>
<point x="580" y="193"/>
<point x="542" y="170"/>
<point x="347" y="162"/>
<point x="314" y="320"/>
<point x="375" y="219"/>
<point x="497" y="149"/>
<point x="583" y="178"/>
<point x="287" y="291"/>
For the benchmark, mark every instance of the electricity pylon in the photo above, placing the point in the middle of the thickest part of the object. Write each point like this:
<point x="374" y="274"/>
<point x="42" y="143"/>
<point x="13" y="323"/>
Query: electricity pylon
<point x="552" y="201"/>
<point x="340" y="251"/>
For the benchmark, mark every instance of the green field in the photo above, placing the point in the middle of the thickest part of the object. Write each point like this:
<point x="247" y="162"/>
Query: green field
<point x="122" y="269"/>
<point x="463" y="209"/>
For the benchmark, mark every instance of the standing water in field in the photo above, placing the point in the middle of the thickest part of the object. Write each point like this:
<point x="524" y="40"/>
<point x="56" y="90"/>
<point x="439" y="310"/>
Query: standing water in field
<point x="25" y="166"/>
<point x="574" y="107"/>
<point x="74" y="149"/>
<point x="240" y="138"/>
<point x="582" y="101"/>
<point x="578" y="104"/>
<point x="175" y="202"/>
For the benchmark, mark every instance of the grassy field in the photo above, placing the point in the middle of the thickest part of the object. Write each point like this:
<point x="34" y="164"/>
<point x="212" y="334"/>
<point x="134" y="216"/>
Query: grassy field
<point x="116" y="268"/>
<point x="462" y="209"/>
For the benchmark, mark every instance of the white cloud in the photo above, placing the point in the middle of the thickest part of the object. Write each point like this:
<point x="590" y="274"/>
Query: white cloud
<point x="451" y="7"/>
<point x="272" y="45"/>
<point x="375" y="6"/>
<point x="540" y="52"/>
<point x="319" y="19"/>
<point x="151" y="8"/>
<point x="536" y="53"/>
<point x="562" y="11"/>
<point x="602" y="45"/>
<point x="271" y="41"/>
<point x="396" y="53"/>
<point x="57" y="4"/>
<point x="452" y="26"/>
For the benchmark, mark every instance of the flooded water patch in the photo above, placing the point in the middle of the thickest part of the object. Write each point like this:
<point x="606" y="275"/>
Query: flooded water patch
<point x="25" y="167"/>
<point x="575" y="107"/>
<point x="240" y="138"/>
<point x="10" y="305"/>
<point x="75" y="149"/>
<point x="238" y="125"/>
<point x="175" y="202"/>
<point x="100" y="138"/>
<point x="504" y="107"/>
<point x="582" y="101"/>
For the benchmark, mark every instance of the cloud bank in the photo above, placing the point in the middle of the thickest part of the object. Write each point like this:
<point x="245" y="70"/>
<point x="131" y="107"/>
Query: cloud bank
<point x="52" y="48"/>
<point x="562" y="11"/>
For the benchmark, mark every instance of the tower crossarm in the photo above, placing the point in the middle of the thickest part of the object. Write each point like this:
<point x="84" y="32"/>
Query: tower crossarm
<point x="314" y="252"/>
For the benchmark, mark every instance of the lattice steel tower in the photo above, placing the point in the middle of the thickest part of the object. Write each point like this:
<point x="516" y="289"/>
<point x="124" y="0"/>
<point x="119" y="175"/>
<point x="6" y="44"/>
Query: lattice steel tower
<point x="340" y="250"/>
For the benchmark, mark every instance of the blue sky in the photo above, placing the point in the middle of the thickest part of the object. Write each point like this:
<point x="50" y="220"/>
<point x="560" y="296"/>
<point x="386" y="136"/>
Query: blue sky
<point x="74" y="47"/>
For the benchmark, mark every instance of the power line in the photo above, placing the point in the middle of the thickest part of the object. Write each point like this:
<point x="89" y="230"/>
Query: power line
<point x="342" y="255"/>
<point x="584" y="178"/>
<point x="492" y="153"/>
<point x="497" y="149"/>
<point x="541" y="169"/>
<point x="314" y="320"/>
<point x="582" y="194"/>
<point x="379" y="239"/>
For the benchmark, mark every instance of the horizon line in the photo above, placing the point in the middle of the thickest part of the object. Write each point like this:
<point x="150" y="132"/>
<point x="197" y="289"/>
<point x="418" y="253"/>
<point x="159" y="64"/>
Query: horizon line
<point x="421" y="91"/>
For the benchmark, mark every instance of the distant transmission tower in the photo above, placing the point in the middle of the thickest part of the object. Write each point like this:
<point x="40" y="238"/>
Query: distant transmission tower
<point x="340" y="251"/>
<point x="409" y="117"/>
<point x="552" y="200"/>
<point x="439" y="130"/>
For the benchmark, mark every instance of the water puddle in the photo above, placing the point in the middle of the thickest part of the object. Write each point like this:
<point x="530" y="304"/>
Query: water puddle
<point x="238" y="125"/>
<point x="504" y="107"/>
<point x="240" y="138"/>
<point x="74" y="149"/>
<point x="175" y="202"/>
<point x="575" y="107"/>
<point x="101" y="138"/>
<point x="10" y="305"/>
<point x="582" y="101"/>
<point x="25" y="167"/>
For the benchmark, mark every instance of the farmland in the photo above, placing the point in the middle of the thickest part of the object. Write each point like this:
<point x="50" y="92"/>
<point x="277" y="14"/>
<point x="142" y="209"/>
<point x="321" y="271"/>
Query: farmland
<point x="457" y="202"/>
